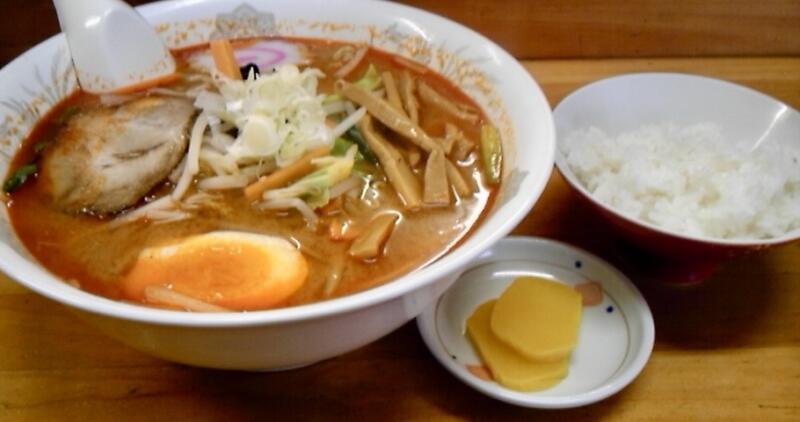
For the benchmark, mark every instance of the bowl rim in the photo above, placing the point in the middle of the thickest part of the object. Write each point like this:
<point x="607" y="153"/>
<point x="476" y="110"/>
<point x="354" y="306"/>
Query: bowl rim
<point x="569" y="175"/>
<point x="28" y="272"/>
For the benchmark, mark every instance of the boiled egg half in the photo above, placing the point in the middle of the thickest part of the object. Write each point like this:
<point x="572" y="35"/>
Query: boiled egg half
<point x="229" y="269"/>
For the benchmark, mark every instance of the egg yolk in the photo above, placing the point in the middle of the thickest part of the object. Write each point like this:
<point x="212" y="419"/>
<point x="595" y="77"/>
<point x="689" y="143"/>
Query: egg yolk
<point x="233" y="270"/>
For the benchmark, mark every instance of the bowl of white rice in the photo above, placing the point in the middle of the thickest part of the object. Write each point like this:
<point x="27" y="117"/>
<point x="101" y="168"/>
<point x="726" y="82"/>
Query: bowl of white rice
<point x="687" y="166"/>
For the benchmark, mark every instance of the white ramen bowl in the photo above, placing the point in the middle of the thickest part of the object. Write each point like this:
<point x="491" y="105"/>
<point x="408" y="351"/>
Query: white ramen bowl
<point x="283" y="338"/>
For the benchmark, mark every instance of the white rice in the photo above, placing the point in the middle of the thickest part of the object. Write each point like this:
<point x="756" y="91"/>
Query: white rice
<point x="690" y="179"/>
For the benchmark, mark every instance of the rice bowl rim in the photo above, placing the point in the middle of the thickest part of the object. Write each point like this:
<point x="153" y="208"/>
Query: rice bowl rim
<point x="569" y="175"/>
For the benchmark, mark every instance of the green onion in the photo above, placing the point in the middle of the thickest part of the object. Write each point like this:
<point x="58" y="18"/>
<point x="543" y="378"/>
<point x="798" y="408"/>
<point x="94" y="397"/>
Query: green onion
<point x="340" y="147"/>
<point x="355" y="135"/>
<point x="18" y="177"/>
<point x="362" y="166"/>
<point x="491" y="153"/>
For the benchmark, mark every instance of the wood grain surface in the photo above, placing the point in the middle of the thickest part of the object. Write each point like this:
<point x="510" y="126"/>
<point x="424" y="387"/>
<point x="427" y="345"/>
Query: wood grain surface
<point x="553" y="28"/>
<point x="630" y="28"/>
<point x="727" y="350"/>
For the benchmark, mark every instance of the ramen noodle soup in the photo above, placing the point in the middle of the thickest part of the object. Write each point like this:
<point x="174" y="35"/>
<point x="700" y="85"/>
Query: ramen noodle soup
<point x="267" y="173"/>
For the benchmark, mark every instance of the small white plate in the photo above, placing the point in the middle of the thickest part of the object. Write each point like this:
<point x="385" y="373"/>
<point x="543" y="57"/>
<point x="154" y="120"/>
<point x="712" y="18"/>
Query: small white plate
<point x="615" y="339"/>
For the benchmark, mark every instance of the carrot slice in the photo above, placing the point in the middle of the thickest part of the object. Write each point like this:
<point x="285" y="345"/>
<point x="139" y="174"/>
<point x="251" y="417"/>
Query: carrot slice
<point x="224" y="59"/>
<point x="285" y="175"/>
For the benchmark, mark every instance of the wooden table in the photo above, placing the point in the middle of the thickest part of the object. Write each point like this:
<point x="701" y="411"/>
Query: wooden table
<point x="727" y="350"/>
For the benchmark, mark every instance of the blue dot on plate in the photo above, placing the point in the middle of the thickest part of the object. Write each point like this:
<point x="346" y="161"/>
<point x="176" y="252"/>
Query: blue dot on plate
<point x="610" y="309"/>
<point x="578" y="264"/>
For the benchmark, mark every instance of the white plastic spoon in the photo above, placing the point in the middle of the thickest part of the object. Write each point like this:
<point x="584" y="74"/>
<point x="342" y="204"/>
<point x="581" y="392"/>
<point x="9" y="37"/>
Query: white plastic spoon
<point x="113" y="48"/>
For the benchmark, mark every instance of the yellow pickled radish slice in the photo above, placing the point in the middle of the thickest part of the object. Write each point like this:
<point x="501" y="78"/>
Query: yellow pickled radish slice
<point x="508" y="367"/>
<point x="538" y="318"/>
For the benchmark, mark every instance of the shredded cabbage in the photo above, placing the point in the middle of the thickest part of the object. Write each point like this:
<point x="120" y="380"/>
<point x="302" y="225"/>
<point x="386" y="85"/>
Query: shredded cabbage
<point x="314" y="189"/>
<point x="369" y="81"/>
<point x="278" y="116"/>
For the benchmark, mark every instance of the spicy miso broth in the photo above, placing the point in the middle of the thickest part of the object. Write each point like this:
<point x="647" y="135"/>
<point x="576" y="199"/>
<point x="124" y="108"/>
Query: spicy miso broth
<point x="291" y="172"/>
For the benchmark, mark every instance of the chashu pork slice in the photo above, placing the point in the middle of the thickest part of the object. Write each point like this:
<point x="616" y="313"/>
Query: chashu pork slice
<point x="108" y="158"/>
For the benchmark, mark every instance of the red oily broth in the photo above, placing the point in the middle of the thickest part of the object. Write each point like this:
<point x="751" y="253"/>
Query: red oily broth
<point x="86" y="251"/>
